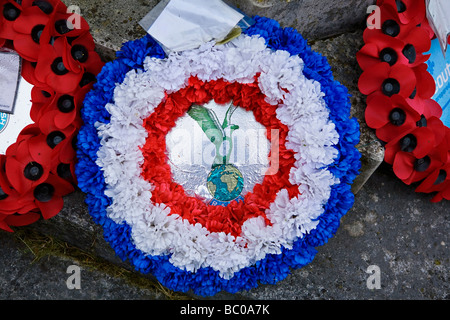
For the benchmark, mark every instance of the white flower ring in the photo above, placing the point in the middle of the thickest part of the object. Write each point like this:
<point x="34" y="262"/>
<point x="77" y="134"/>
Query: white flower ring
<point x="185" y="255"/>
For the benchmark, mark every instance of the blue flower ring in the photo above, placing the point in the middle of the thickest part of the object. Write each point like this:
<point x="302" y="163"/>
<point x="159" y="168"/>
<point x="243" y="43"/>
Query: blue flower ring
<point x="103" y="151"/>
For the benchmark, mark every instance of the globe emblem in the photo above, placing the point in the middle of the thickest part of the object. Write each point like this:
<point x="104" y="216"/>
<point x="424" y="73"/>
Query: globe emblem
<point x="225" y="182"/>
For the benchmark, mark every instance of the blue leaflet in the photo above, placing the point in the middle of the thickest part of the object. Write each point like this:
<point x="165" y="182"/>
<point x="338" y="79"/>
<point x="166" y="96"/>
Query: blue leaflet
<point x="272" y="268"/>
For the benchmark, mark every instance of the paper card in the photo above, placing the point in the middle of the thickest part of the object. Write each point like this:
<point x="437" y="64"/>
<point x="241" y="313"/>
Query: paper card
<point x="439" y="68"/>
<point x="10" y="65"/>
<point x="186" y="24"/>
<point x="438" y="12"/>
<point x="12" y="124"/>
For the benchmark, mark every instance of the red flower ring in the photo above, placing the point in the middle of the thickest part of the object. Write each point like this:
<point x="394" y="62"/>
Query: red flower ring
<point x="399" y="93"/>
<point x="157" y="171"/>
<point x="60" y="61"/>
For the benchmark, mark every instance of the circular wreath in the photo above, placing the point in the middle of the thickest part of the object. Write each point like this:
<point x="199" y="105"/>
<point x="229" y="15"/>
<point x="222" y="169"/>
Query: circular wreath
<point x="399" y="93"/>
<point x="59" y="61"/>
<point x="185" y="243"/>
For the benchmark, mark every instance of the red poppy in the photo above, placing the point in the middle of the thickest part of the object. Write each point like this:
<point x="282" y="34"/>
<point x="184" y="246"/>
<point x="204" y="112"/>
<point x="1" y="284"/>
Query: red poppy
<point x="59" y="111"/>
<point x="411" y="169"/>
<point x="40" y="98"/>
<point x="390" y="25"/>
<point x="419" y="141"/>
<point x="80" y="55"/>
<point x="408" y="51"/>
<point x="381" y="77"/>
<point x="427" y="107"/>
<point x="9" y="12"/>
<point x="409" y="11"/>
<point x="24" y="167"/>
<point x="426" y="86"/>
<point x="29" y="28"/>
<point x="437" y="181"/>
<point x="390" y="116"/>
<point x="10" y="200"/>
<point x="29" y="74"/>
<point x="53" y="71"/>
<point x="49" y="195"/>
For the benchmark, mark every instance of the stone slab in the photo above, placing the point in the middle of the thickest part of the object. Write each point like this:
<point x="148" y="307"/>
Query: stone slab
<point x="341" y="54"/>
<point x="113" y="22"/>
<point x="23" y="277"/>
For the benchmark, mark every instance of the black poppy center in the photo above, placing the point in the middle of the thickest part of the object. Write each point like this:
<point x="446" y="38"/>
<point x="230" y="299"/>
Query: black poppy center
<point x="397" y="117"/>
<point x="36" y="33"/>
<point x="44" y="192"/>
<point x="410" y="53"/>
<point x="3" y="195"/>
<point x="45" y="6"/>
<point x="66" y="103"/>
<point x="390" y="87"/>
<point x="79" y="53"/>
<point x="441" y="177"/>
<point x="58" y="67"/>
<point x="388" y="55"/>
<point x="422" y="122"/>
<point x="10" y="12"/>
<point x="391" y="28"/>
<point x="421" y="165"/>
<point x="401" y="7"/>
<point x="55" y="138"/>
<point x="63" y="171"/>
<point x="413" y="94"/>
<point x="62" y="27"/>
<point x="33" y="171"/>
<point x="87" y="79"/>
<point x="408" y="143"/>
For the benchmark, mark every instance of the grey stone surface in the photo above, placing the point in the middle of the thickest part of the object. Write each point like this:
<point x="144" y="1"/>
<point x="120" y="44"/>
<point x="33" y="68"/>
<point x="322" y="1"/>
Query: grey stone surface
<point x="24" y="278"/>
<point x="113" y="22"/>
<point x="341" y="54"/>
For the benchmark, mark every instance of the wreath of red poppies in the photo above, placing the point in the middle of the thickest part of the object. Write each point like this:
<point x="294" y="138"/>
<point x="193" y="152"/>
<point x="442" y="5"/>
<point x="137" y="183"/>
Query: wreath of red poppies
<point x="399" y="93"/>
<point x="59" y="60"/>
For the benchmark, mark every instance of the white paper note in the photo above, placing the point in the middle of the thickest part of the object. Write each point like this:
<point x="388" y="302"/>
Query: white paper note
<point x="186" y="24"/>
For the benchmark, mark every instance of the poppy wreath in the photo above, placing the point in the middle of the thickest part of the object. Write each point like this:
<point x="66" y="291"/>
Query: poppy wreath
<point x="399" y="92"/>
<point x="187" y="244"/>
<point x="59" y="61"/>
